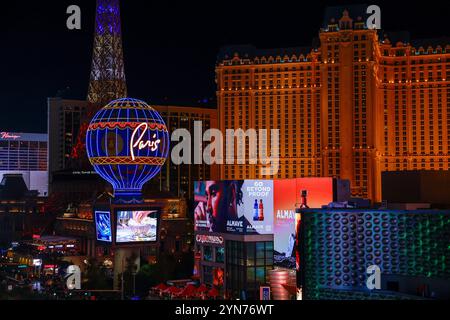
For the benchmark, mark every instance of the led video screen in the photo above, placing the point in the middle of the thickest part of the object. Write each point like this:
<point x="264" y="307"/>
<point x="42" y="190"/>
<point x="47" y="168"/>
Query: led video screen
<point x="103" y="226"/>
<point x="238" y="207"/>
<point x="260" y="207"/>
<point x="288" y="195"/>
<point x="136" y="226"/>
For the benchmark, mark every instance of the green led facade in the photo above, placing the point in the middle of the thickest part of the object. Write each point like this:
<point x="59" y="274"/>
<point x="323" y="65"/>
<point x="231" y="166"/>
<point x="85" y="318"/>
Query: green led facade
<point x="337" y="247"/>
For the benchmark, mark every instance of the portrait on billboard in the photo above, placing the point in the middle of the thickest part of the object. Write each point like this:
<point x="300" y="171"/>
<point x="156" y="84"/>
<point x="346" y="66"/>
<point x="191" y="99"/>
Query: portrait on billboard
<point x="234" y="206"/>
<point x="136" y="226"/>
<point x="216" y="204"/>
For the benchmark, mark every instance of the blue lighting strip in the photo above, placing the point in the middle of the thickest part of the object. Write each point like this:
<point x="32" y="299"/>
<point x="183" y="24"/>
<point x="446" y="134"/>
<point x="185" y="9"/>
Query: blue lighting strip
<point x="108" y="10"/>
<point x="122" y="183"/>
<point x="141" y="177"/>
<point x="135" y="168"/>
<point x="117" y="182"/>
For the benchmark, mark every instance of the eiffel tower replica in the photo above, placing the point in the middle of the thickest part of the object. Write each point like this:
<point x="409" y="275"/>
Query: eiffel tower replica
<point x="107" y="80"/>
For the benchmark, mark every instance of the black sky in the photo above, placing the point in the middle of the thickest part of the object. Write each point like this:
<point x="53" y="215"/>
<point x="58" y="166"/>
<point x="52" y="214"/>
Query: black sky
<point x="170" y="47"/>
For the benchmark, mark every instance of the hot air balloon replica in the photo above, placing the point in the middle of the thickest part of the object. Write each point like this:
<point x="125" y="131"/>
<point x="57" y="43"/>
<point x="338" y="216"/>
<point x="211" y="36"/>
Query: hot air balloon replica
<point x="127" y="144"/>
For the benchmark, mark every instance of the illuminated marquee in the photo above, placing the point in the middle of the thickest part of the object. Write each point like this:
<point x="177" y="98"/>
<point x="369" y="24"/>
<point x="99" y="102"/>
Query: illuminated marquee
<point x="209" y="239"/>
<point x="127" y="143"/>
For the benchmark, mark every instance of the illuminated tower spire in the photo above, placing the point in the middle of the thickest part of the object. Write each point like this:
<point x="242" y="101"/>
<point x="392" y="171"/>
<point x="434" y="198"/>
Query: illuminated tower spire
<point x="107" y="81"/>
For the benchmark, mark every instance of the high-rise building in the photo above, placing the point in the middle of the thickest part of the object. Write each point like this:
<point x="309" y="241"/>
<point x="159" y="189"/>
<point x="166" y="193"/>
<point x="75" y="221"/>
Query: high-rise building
<point x="64" y="120"/>
<point x="355" y="104"/>
<point x="25" y="154"/>
<point x="179" y="179"/>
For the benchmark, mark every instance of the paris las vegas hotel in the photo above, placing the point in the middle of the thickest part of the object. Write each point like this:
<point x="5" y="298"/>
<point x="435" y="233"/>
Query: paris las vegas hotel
<point x="355" y="104"/>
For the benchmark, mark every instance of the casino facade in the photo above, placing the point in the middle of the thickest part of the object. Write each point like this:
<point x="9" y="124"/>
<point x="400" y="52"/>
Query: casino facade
<point x="25" y="154"/>
<point x="356" y="103"/>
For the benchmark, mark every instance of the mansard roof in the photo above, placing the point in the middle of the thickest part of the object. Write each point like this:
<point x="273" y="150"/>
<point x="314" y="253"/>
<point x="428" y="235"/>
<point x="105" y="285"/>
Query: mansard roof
<point x="251" y="52"/>
<point x="335" y="12"/>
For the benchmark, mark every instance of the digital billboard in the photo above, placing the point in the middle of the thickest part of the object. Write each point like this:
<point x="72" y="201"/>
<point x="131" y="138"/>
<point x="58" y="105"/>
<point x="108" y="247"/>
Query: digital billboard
<point x="290" y="194"/>
<point x="285" y="199"/>
<point x="103" y="226"/>
<point x="238" y="207"/>
<point x="256" y="207"/>
<point x="136" y="226"/>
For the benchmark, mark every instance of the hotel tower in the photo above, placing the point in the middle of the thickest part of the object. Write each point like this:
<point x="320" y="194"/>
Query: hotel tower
<point x="356" y="103"/>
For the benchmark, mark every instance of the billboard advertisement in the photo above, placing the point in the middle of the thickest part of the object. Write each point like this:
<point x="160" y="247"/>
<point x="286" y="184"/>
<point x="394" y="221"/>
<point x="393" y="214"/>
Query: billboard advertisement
<point x="256" y="207"/>
<point x="103" y="226"/>
<point x="238" y="207"/>
<point x="285" y="199"/>
<point x="136" y="226"/>
<point x="288" y="195"/>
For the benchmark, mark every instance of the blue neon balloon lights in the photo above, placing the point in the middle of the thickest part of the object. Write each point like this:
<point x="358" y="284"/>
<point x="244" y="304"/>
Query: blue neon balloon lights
<point x="127" y="143"/>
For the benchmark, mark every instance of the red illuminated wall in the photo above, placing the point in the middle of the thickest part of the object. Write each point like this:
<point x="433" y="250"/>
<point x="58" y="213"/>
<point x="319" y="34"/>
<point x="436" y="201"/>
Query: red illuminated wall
<point x="320" y="191"/>
<point x="287" y="196"/>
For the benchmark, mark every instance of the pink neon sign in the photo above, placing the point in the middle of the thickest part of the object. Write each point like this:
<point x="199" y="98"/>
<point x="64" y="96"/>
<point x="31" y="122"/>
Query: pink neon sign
<point x="152" y="145"/>
<point x="7" y="135"/>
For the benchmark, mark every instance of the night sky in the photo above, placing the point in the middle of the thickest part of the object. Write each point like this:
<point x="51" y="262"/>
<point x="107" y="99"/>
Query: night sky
<point x="170" y="47"/>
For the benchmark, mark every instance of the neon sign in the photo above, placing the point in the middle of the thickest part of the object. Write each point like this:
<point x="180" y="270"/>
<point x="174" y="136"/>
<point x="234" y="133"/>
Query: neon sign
<point x="209" y="239"/>
<point x="152" y="145"/>
<point x="7" y="135"/>
<point x="127" y="143"/>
